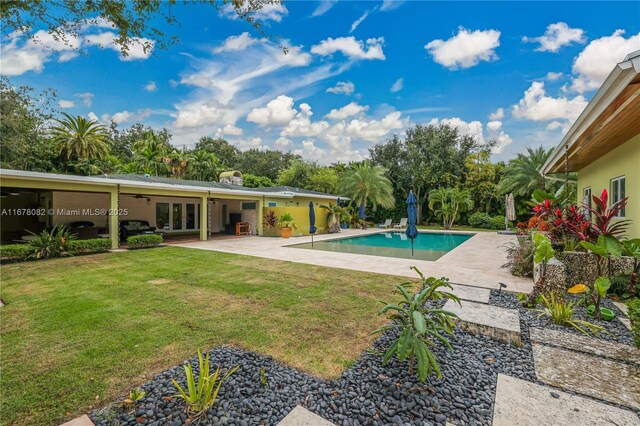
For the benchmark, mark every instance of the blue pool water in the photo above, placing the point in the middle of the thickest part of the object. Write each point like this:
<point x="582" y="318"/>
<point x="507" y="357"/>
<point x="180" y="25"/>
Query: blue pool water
<point x="427" y="246"/>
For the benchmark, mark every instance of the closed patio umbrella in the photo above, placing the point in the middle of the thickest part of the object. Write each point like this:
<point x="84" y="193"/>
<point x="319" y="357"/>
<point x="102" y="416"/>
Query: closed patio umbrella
<point x="510" y="210"/>
<point x="312" y="221"/>
<point x="412" y="218"/>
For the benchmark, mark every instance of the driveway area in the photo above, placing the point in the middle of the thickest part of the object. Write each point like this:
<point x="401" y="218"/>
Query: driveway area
<point x="476" y="262"/>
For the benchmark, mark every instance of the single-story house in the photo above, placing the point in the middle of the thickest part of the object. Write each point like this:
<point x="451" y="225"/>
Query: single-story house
<point x="34" y="201"/>
<point x="603" y="145"/>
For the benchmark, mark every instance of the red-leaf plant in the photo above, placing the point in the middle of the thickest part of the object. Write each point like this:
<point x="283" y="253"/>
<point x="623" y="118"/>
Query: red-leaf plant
<point x="605" y="218"/>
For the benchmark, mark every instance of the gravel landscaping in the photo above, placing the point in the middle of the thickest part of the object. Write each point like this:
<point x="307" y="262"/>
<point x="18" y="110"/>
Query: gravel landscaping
<point x="617" y="332"/>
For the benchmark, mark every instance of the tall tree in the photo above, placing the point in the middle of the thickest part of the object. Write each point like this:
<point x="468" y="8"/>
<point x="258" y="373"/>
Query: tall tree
<point x="480" y="179"/>
<point x="226" y="153"/>
<point x="448" y="203"/>
<point x="202" y="166"/>
<point x="80" y="139"/>
<point x="523" y="174"/>
<point x="367" y="184"/>
<point x="266" y="163"/>
<point x="427" y="158"/>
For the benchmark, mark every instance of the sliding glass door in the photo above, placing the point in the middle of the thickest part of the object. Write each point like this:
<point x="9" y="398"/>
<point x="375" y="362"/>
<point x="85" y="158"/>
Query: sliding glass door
<point x="177" y="216"/>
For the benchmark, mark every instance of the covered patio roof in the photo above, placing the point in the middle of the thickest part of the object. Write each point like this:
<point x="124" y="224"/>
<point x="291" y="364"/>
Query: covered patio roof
<point x="609" y="120"/>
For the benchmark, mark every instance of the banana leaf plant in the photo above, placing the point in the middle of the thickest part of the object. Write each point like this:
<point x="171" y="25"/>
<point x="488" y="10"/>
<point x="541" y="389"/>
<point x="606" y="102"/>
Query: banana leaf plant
<point x="607" y="246"/>
<point x="543" y="253"/>
<point x="420" y="327"/>
<point x="632" y="248"/>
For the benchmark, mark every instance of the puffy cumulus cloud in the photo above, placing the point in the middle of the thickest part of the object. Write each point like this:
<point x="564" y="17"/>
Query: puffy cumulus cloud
<point x="18" y="56"/>
<point x="87" y="98"/>
<point x="278" y="112"/>
<point x="348" y="110"/>
<point x="374" y="130"/>
<point x="235" y="43"/>
<point x="397" y="85"/>
<point x="128" y="117"/>
<point x="249" y="143"/>
<point x="342" y="88"/>
<point x="268" y="12"/>
<point x="301" y="124"/>
<point x="553" y="76"/>
<point x="62" y="103"/>
<point x="555" y="125"/>
<point x="537" y="106"/>
<point x="494" y="126"/>
<point x="310" y="151"/>
<point x="592" y="66"/>
<point x="192" y="115"/>
<point x="497" y="114"/>
<point x="556" y="36"/>
<point x="466" y="49"/>
<point x="230" y="130"/>
<point x="475" y="129"/>
<point x="283" y="144"/>
<point x="139" y="49"/>
<point x="92" y="116"/>
<point x="151" y="86"/>
<point x="351" y="48"/>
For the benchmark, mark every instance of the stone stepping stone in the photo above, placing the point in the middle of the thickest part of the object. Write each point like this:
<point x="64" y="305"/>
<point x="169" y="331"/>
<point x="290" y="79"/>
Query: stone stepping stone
<point x="582" y="343"/>
<point x="300" y="416"/>
<point x="626" y="322"/>
<point x="474" y="294"/>
<point x="80" y="421"/>
<point x="492" y="321"/>
<point x="622" y="307"/>
<point x="590" y="375"/>
<point x="523" y="403"/>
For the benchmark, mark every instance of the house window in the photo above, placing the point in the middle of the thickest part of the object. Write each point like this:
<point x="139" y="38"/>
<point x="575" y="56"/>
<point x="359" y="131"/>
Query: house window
<point x="272" y="204"/>
<point x="617" y="193"/>
<point x="249" y="206"/>
<point x="586" y="201"/>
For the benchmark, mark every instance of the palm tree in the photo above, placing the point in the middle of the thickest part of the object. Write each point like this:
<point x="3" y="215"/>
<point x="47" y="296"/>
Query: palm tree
<point x="365" y="183"/>
<point x="452" y="202"/>
<point x="203" y="165"/>
<point x="334" y="214"/>
<point x="523" y="174"/>
<point x="80" y="138"/>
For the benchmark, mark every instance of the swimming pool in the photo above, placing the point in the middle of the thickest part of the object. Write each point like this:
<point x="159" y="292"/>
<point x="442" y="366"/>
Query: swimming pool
<point x="427" y="246"/>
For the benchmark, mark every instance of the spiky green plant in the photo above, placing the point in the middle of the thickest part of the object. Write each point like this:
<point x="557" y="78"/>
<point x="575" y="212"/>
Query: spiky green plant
<point x="561" y="313"/>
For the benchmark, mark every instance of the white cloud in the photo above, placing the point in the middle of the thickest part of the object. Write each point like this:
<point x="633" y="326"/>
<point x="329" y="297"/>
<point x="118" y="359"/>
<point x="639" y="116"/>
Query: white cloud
<point x="537" y="106"/>
<point x="497" y="114"/>
<point x="348" y="110"/>
<point x="268" y="12"/>
<point x="494" y="125"/>
<point x="229" y="129"/>
<point x="151" y="86"/>
<point x="466" y="49"/>
<point x="87" y="98"/>
<point x="139" y="49"/>
<point x="323" y="8"/>
<point x="390" y="5"/>
<point x="278" y="112"/>
<point x="358" y="21"/>
<point x="202" y="114"/>
<point x="235" y="43"/>
<point x="62" y="103"/>
<point x="592" y="66"/>
<point x="250" y="143"/>
<point x="374" y="130"/>
<point x="301" y="124"/>
<point x="92" y="116"/>
<point x="19" y="56"/>
<point x="126" y="116"/>
<point x="476" y="131"/>
<point x="556" y="36"/>
<point x="397" y="85"/>
<point x="283" y="144"/>
<point x="342" y="87"/>
<point x="553" y="76"/>
<point x="350" y="47"/>
<point x="310" y="152"/>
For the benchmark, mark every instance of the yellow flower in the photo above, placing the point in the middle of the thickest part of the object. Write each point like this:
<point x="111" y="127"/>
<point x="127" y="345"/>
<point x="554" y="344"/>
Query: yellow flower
<point x="578" y="288"/>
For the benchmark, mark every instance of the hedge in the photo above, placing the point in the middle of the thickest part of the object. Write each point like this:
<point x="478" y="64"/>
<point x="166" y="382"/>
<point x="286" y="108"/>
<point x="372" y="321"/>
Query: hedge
<point x="484" y="221"/>
<point x="15" y="251"/>
<point x="144" y="240"/>
<point x="94" y="245"/>
<point x="634" y="316"/>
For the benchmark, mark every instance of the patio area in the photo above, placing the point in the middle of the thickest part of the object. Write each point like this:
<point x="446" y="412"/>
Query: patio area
<point x="477" y="262"/>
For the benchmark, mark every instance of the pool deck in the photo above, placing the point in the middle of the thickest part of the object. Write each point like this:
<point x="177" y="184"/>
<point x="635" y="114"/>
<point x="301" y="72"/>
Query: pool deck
<point x="476" y="262"/>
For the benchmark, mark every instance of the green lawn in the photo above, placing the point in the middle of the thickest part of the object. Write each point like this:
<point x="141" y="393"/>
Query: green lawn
<point x="78" y="332"/>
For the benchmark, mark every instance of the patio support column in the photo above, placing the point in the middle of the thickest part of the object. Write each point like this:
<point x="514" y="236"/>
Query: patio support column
<point x="114" y="231"/>
<point x="260" y="215"/>
<point x="204" y="214"/>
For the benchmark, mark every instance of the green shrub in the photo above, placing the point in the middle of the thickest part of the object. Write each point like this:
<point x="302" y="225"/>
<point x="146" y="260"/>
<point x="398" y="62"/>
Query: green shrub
<point x="480" y="220"/>
<point x="16" y="251"/>
<point x="520" y="258"/>
<point x="144" y="240"/>
<point x="561" y="313"/>
<point x="497" y="222"/>
<point x="634" y="316"/>
<point x="94" y="245"/>
<point x="49" y="244"/>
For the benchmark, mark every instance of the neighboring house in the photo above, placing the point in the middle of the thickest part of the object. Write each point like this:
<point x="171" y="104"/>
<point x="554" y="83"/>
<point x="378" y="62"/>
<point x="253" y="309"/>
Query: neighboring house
<point x="603" y="145"/>
<point x="34" y="201"/>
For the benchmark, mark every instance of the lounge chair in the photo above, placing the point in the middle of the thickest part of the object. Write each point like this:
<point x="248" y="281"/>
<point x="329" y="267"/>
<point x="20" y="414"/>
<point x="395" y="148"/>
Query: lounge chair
<point x="402" y="224"/>
<point x="386" y="224"/>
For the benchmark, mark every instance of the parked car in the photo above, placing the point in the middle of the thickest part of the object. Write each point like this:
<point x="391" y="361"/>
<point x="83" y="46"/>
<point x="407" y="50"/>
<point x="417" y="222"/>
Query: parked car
<point x="135" y="227"/>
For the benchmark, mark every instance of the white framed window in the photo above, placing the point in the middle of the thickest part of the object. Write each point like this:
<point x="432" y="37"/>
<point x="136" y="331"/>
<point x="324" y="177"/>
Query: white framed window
<point x="586" y="201"/>
<point x="617" y="193"/>
<point x="272" y="204"/>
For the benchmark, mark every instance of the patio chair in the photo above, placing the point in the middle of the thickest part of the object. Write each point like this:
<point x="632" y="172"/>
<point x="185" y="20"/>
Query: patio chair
<point x="386" y="224"/>
<point x="402" y="224"/>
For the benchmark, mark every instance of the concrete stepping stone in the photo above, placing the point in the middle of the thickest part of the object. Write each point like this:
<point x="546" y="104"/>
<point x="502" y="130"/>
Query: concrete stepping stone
<point x="300" y="416"/>
<point x="590" y="375"/>
<point x="492" y="321"/>
<point x="83" y="420"/>
<point x="622" y="307"/>
<point x="626" y="322"/>
<point x="523" y="403"/>
<point x="474" y="294"/>
<point x="582" y="343"/>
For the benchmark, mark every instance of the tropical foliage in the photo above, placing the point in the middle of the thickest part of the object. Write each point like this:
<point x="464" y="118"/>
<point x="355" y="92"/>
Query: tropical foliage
<point x="50" y="243"/>
<point x="366" y="183"/>
<point x="561" y="313"/>
<point x="448" y="203"/>
<point x="335" y="214"/>
<point x="418" y="325"/>
<point x="80" y="139"/>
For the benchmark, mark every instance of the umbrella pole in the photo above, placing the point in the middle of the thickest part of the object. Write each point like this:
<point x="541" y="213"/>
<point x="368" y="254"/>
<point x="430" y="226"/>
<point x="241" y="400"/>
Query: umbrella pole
<point x="311" y="240"/>
<point x="412" y="247"/>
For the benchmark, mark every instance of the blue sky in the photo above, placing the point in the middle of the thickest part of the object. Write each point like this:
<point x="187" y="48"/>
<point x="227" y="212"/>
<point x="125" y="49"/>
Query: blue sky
<point x="356" y="73"/>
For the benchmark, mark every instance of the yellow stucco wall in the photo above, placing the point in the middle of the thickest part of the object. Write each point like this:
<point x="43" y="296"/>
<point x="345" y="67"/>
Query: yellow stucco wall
<point x="301" y="216"/>
<point x="622" y="161"/>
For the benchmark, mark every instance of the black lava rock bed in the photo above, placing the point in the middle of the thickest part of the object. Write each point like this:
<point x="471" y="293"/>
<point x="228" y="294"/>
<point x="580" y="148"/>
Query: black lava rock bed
<point x="367" y="393"/>
<point x="615" y="330"/>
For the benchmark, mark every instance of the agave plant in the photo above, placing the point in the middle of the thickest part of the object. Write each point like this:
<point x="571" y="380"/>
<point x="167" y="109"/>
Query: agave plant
<point x="420" y="327"/>
<point x="561" y="313"/>
<point x="53" y="243"/>
<point x="201" y="394"/>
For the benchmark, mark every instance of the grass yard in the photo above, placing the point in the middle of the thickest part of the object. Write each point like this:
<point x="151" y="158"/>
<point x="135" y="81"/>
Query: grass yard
<point x="78" y="332"/>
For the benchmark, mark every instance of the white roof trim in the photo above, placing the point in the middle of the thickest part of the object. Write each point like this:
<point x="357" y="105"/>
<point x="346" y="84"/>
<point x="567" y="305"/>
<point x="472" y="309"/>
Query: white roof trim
<point x="22" y="174"/>
<point x="616" y="82"/>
